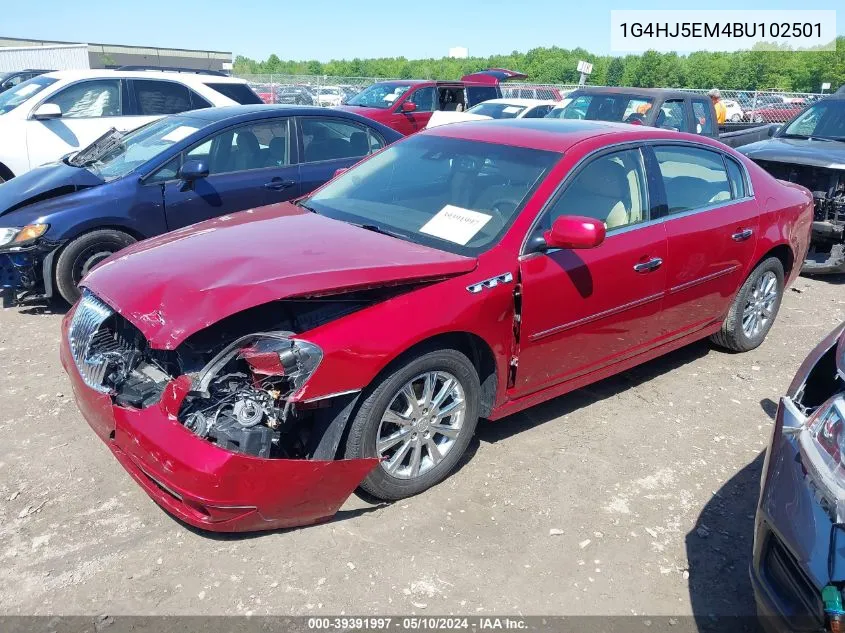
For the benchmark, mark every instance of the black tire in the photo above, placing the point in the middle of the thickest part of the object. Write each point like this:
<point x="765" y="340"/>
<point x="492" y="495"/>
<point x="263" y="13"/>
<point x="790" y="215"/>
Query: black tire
<point x="80" y="255"/>
<point x="732" y="336"/>
<point x="361" y="440"/>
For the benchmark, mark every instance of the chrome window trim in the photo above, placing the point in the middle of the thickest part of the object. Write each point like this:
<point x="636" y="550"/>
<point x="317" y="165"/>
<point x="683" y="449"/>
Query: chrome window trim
<point x="620" y="146"/>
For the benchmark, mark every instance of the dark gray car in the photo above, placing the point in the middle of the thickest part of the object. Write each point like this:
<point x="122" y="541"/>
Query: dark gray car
<point x="810" y="150"/>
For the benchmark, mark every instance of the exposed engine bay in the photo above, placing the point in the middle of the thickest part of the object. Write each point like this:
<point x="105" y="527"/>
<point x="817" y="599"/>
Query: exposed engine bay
<point x="827" y="248"/>
<point x="243" y="369"/>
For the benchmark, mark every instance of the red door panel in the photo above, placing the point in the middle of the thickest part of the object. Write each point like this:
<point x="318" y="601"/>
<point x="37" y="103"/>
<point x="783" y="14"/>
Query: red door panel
<point x="709" y="255"/>
<point x="584" y="309"/>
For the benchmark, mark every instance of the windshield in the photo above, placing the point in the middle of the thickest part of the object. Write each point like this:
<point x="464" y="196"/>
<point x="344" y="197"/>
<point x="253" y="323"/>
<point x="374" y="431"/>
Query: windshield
<point x="825" y="119"/>
<point x="143" y="144"/>
<point x="604" y="107"/>
<point x="497" y="110"/>
<point x="452" y="194"/>
<point x="381" y="95"/>
<point x="13" y="97"/>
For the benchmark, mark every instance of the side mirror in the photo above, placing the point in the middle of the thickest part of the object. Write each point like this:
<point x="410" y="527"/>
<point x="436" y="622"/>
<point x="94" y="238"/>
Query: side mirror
<point x="774" y="129"/>
<point x="573" y="231"/>
<point x="193" y="170"/>
<point x="338" y="172"/>
<point x="47" y="111"/>
<point x="408" y="107"/>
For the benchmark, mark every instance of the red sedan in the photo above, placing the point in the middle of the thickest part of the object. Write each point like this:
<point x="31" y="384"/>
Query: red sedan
<point x="252" y="371"/>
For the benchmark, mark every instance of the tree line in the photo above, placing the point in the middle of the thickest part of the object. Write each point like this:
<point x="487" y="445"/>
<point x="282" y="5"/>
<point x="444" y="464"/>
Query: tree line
<point x="798" y="71"/>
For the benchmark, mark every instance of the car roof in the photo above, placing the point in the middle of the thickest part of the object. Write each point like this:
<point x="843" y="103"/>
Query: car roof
<point x="652" y="93"/>
<point x="259" y="111"/>
<point x="556" y="135"/>
<point x="522" y="102"/>
<point x="187" y="78"/>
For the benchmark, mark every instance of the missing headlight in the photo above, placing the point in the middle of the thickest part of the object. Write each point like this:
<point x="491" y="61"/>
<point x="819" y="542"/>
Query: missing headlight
<point x="240" y="398"/>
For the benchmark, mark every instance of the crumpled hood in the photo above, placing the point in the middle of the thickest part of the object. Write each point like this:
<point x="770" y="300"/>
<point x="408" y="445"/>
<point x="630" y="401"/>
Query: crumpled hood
<point x="179" y="283"/>
<point x="43" y="183"/>
<point x="830" y="154"/>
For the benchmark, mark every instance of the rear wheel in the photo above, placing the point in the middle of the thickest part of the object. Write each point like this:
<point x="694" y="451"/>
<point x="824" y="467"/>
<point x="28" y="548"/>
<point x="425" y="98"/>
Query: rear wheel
<point x="754" y="308"/>
<point x="82" y="254"/>
<point x="418" y="420"/>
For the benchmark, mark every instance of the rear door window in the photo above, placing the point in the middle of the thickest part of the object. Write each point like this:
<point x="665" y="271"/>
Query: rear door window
<point x="673" y="116"/>
<point x="478" y="94"/>
<point x="334" y="139"/>
<point x="693" y="178"/>
<point x="703" y="112"/>
<point x="154" y="98"/>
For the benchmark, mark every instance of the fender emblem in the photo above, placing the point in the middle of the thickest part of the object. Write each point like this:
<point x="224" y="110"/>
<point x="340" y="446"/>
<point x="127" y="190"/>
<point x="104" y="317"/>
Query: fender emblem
<point x="504" y="278"/>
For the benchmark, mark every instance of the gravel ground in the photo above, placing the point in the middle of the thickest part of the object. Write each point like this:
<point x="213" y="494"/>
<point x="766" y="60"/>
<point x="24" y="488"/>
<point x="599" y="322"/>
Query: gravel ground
<point x="633" y="496"/>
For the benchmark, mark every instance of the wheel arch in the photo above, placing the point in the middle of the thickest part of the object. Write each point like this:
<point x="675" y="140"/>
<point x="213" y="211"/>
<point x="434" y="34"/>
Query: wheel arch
<point x="48" y="271"/>
<point x="473" y="346"/>
<point x="784" y="253"/>
<point x="5" y="172"/>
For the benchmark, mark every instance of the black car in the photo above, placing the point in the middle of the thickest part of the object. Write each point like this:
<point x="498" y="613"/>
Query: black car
<point x="810" y="150"/>
<point x="295" y="95"/>
<point x="12" y="79"/>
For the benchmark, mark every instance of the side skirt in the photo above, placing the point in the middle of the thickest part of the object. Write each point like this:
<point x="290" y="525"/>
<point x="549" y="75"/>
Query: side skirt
<point x="514" y="406"/>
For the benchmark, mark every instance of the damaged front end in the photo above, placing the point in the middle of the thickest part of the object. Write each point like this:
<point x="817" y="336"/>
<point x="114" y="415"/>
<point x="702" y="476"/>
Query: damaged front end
<point x="827" y="246"/>
<point x="231" y="389"/>
<point x="22" y="272"/>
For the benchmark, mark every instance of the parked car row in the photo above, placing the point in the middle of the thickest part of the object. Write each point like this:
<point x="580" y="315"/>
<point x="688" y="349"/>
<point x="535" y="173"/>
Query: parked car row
<point x="304" y="94"/>
<point x="60" y="220"/>
<point x="53" y="114"/>
<point x="229" y="345"/>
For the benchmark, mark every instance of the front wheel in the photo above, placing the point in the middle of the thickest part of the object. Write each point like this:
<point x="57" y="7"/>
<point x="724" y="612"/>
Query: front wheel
<point x="419" y="420"/>
<point x="82" y="254"/>
<point x="736" y="118"/>
<point x="754" y="308"/>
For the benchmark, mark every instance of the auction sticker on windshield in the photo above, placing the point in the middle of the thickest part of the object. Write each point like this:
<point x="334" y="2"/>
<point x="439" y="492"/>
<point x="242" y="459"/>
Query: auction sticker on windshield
<point x="455" y="224"/>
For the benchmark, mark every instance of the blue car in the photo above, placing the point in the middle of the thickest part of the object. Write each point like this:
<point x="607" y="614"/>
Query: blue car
<point x="60" y="220"/>
<point x="798" y="565"/>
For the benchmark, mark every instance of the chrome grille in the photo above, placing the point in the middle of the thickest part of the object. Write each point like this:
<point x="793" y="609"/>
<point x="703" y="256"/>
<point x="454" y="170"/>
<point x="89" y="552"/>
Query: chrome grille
<point x="90" y="315"/>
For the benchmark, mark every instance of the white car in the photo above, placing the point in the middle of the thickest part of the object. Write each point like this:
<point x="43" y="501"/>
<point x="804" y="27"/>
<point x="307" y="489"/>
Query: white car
<point x="330" y="96"/>
<point x="496" y="109"/>
<point x="46" y="117"/>
<point x="733" y="111"/>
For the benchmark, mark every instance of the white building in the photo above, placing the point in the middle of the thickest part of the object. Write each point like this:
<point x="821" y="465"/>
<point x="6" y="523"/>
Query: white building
<point x="459" y="52"/>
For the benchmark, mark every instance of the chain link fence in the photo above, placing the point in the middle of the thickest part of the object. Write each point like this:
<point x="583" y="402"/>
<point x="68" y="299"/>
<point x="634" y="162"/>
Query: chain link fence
<point x="742" y="106"/>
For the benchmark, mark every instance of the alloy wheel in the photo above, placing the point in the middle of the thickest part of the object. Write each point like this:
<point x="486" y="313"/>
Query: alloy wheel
<point x="421" y="424"/>
<point x="760" y="305"/>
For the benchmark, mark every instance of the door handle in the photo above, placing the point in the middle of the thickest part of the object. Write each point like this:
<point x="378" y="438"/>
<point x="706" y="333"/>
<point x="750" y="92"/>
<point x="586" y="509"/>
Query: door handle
<point x="741" y="236"/>
<point x="646" y="267"/>
<point x="277" y="184"/>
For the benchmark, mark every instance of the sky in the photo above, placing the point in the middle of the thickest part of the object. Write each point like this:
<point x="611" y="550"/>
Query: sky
<point x="337" y="29"/>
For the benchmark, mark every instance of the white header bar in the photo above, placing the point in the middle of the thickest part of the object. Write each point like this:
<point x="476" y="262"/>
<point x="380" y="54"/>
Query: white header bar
<point x="687" y="31"/>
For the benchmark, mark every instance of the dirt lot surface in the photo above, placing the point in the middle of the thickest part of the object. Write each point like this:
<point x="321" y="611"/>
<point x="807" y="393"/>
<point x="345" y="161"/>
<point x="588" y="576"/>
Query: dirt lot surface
<point x="635" y="495"/>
